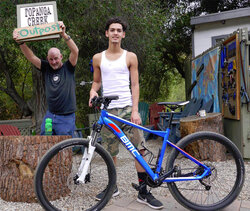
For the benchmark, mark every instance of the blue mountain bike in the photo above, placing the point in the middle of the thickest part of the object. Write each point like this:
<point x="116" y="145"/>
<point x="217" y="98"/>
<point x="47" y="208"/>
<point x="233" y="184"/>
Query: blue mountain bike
<point x="67" y="180"/>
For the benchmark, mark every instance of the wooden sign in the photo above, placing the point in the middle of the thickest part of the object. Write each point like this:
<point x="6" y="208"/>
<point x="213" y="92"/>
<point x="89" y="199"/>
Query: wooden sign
<point x="36" y="14"/>
<point x="25" y="33"/>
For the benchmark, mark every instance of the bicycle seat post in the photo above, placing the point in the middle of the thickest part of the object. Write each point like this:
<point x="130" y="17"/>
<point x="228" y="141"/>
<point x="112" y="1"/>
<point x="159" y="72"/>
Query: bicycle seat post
<point x="172" y="108"/>
<point x="170" y="119"/>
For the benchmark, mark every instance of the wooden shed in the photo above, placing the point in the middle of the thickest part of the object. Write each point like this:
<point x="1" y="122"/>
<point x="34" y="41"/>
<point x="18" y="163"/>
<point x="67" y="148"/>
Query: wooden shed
<point x="228" y="31"/>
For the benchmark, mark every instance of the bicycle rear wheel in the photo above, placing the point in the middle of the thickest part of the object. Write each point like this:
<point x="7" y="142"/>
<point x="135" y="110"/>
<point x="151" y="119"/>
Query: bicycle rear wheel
<point x="218" y="189"/>
<point x="55" y="178"/>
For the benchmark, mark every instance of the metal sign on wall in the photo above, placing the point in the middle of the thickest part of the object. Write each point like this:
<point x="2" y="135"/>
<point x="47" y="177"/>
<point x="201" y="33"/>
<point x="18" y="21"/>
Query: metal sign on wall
<point x="29" y="15"/>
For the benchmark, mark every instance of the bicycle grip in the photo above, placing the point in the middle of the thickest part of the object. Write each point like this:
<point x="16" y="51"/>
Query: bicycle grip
<point x="94" y="100"/>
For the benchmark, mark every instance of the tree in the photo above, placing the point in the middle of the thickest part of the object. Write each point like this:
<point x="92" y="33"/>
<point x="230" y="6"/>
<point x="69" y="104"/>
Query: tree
<point x="10" y="61"/>
<point x="18" y="77"/>
<point x="141" y="36"/>
<point x="159" y="33"/>
<point x="86" y="26"/>
<point x="174" y="44"/>
<point x="213" y="6"/>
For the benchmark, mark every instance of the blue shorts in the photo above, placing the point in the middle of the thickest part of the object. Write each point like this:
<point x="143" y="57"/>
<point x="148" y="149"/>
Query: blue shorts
<point x="61" y="124"/>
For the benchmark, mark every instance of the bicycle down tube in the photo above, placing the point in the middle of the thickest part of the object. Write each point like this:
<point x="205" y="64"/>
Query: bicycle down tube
<point x="105" y="119"/>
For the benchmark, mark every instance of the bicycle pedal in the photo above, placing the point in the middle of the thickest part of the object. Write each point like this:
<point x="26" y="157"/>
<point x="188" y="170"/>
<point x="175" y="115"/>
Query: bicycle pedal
<point x="135" y="186"/>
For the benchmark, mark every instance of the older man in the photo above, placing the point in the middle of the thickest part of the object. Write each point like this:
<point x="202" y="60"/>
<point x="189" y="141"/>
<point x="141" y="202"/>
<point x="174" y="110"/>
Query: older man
<point x="59" y="84"/>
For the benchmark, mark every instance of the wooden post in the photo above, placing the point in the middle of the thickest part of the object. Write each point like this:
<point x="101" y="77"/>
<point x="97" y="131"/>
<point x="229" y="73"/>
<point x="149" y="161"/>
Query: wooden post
<point x="204" y="149"/>
<point x="19" y="156"/>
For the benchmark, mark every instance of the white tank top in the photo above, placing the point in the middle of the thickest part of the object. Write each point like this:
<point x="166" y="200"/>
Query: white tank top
<point x="116" y="80"/>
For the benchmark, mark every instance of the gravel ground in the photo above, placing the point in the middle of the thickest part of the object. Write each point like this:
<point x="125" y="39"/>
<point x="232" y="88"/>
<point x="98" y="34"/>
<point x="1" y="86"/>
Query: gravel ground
<point x="126" y="174"/>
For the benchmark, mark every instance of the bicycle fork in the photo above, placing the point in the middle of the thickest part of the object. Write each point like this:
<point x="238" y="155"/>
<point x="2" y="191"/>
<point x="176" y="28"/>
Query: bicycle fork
<point x="86" y="159"/>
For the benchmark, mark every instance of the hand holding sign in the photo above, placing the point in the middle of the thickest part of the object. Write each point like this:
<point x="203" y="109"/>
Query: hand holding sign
<point x="63" y="32"/>
<point x="62" y="26"/>
<point x="15" y="34"/>
<point x="24" y="33"/>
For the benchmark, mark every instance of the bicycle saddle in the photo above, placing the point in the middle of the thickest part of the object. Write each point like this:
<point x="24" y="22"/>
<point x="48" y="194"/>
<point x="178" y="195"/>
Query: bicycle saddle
<point x="174" y="105"/>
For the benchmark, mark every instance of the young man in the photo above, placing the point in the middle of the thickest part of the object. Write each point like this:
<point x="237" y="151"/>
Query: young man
<point x="59" y="84"/>
<point x="113" y="70"/>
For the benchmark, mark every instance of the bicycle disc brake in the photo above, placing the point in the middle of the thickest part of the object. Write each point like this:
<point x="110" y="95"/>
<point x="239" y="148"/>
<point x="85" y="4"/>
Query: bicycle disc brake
<point x="72" y="184"/>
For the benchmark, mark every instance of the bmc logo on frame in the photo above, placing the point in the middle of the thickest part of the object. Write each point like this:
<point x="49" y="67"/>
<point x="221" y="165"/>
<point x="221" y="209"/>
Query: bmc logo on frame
<point x="129" y="145"/>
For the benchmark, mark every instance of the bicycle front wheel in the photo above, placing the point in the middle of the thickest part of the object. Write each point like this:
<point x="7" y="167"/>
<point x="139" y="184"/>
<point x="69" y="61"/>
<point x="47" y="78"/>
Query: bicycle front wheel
<point x="222" y="186"/>
<point x="56" y="183"/>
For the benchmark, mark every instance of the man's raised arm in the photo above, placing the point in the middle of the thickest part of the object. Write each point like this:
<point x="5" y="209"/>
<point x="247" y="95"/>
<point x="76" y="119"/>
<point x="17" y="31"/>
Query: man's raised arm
<point x="28" y="53"/>
<point x="73" y="57"/>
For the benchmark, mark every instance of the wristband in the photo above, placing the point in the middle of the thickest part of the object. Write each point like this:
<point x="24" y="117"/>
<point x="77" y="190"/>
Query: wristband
<point x="68" y="38"/>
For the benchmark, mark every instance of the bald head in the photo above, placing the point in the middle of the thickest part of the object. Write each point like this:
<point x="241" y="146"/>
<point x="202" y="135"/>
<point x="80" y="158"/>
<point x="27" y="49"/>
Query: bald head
<point x="54" y="58"/>
<point x="53" y="51"/>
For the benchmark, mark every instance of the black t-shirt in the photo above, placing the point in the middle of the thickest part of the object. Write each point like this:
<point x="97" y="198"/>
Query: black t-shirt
<point x="59" y="87"/>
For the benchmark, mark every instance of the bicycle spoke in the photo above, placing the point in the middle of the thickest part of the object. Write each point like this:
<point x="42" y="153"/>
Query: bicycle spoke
<point x="215" y="190"/>
<point x="59" y="187"/>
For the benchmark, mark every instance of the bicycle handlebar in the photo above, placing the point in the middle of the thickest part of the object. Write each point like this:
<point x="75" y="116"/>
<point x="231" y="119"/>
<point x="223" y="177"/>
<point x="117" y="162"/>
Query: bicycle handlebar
<point x="105" y="100"/>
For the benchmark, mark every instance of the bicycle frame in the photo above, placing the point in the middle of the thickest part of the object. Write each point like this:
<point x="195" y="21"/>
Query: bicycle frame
<point x="106" y="119"/>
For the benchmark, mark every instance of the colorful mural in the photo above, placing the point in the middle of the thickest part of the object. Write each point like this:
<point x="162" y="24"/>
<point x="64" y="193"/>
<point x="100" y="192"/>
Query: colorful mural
<point x="207" y="80"/>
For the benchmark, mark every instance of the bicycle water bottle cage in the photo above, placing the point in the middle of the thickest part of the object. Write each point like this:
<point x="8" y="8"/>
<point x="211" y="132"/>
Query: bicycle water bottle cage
<point x="103" y="100"/>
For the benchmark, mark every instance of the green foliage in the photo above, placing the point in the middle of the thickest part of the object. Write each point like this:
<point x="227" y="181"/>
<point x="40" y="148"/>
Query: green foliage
<point x="8" y="109"/>
<point x="174" y="89"/>
<point x="159" y="33"/>
<point x="86" y="26"/>
<point x="213" y="6"/>
<point x="12" y="63"/>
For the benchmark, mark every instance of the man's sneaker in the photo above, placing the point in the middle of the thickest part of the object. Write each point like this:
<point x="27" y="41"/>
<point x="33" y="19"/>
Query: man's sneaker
<point x="101" y="195"/>
<point x="149" y="200"/>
